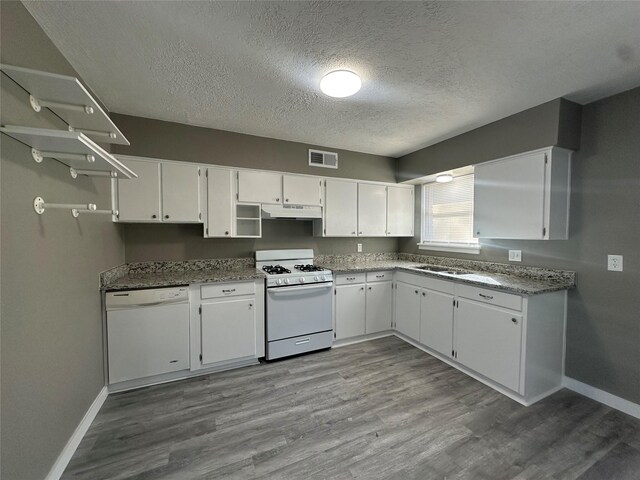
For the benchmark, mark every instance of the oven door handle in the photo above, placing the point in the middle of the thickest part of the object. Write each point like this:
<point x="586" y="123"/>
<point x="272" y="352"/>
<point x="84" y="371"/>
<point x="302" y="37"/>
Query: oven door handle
<point x="283" y="290"/>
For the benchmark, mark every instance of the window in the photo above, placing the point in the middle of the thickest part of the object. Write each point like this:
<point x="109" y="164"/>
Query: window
<point x="447" y="216"/>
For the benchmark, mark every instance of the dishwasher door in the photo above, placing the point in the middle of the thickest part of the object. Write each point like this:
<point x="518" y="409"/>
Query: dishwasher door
<point x="147" y="333"/>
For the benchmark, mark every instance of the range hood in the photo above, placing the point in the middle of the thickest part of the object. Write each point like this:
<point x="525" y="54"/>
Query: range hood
<point x="292" y="212"/>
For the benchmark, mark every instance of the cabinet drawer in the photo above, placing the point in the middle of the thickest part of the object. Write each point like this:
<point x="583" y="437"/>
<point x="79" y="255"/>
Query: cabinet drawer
<point x="492" y="297"/>
<point x="379" y="276"/>
<point x="217" y="290"/>
<point x="296" y="345"/>
<point x="345" y="279"/>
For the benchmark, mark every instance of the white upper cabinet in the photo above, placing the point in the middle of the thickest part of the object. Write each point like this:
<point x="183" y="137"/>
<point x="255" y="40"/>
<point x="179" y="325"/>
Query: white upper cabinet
<point x="220" y="203"/>
<point x="525" y="196"/>
<point x="181" y="193"/>
<point x="139" y="198"/>
<point x="300" y="190"/>
<point x="259" y="187"/>
<point x="341" y="208"/>
<point x="372" y="210"/>
<point x="400" y="211"/>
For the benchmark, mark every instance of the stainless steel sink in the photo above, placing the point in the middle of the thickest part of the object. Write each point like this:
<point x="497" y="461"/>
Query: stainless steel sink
<point x="442" y="270"/>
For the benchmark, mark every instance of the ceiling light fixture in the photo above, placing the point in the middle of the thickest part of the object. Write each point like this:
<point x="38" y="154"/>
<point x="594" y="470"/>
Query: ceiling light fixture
<point x="340" y="83"/>
<point x="444" y="178"/>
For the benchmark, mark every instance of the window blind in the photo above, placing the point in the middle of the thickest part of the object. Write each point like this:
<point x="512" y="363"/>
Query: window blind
<point x="448" y="212"/>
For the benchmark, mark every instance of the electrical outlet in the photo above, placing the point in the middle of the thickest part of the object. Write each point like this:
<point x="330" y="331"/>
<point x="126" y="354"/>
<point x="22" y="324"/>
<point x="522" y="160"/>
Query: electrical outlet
<point x="359" y="248"/>
<point x="515" y="255"/>
<point x="614" y="263"/>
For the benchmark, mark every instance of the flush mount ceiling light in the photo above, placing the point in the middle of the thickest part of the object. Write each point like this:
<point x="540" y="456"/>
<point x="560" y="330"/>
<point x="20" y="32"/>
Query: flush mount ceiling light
<point x="444" y="178"/>
<point x="340" y="83"/>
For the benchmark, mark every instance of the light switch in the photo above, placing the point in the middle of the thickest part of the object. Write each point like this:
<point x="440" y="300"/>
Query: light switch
<point x="614" y="263"/>
<point x="359" y="247"/>
<point x="515" y="255"/>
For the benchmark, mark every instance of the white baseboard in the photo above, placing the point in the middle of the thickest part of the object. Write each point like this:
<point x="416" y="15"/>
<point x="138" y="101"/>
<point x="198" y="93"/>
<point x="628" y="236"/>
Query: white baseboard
<point x="601" y="396"/>
<point x="361" y="338"/>
<point x="70" y="448"/>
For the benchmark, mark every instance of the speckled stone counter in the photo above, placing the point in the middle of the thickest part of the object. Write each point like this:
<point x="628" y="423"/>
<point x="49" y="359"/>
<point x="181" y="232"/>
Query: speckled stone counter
<point x="166" y="274"/>
<point x="498" y="276"/>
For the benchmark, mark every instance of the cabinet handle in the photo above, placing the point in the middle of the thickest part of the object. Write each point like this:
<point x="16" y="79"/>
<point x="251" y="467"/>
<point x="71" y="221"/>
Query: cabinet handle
<point x="229" y="291"/>
<point x="514" y="320"/>
<point x="488" y="297"/>
<point x="304" y="340"/>
<point x="154" y="216"/>
<point x="166" y="216"/>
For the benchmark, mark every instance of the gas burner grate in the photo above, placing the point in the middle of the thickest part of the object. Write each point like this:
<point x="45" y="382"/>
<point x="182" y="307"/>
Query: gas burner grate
<point x="275" y="269"/>
<point x="309" y="268"/>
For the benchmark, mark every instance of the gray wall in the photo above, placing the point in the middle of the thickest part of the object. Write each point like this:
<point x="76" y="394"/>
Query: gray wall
<point x="555" y="123"/>
<point x="159" y="139"/>
<point x="603" y="332"/>
<point x="51" y="330"/>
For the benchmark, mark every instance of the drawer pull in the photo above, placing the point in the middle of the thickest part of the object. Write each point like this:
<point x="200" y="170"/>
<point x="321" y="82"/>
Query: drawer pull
<point x="488" y="297"/>
<point x="303" y="341"/>
<point x="351" y="278"/>
<point x="229" y="291"/>
<point x="379" y="276"/>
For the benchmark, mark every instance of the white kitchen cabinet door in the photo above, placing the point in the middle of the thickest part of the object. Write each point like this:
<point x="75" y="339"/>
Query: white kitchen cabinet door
<point x="436" y="321"/>
<point x="220" y="202"/>
<point x="372" y="210"/>
<point x="228" y="330"/>
<point x="259" y="187"/>
<point x="407" y="310"/>
<point x="488" y="340"/>
<point x="299" y="190"/>
<point x="379" y="307"/>
<point x="181" y="193"/>
<point x="400" y="212"/>
<point x="139" y="198"/>
<point x="341" y="208"/>
<point x="350" y="311"/>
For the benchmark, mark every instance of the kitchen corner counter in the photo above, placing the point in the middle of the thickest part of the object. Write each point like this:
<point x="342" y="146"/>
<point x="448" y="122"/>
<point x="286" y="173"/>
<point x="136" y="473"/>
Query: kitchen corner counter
<point x="520" y="280"/>
<point x="171" y="274"/>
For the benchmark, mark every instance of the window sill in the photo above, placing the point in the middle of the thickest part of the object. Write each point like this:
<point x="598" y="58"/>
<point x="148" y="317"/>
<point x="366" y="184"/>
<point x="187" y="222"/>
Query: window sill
<point x="440" y="247"/>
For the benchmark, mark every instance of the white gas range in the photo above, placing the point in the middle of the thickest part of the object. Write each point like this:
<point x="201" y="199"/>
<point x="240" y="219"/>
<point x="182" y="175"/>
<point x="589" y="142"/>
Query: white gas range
<point x="299" y="303"/>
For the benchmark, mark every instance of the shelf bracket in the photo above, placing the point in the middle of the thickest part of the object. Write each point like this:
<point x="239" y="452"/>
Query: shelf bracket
<point x="99" y="133"/>
<point x="38" y="155"/>
<point x="40" y="206"/>
<point x="74" y="172"/>
<point x="37" y="105"/>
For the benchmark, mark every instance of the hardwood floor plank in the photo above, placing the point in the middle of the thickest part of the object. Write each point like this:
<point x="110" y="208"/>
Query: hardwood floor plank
<point x="377" y="410"/>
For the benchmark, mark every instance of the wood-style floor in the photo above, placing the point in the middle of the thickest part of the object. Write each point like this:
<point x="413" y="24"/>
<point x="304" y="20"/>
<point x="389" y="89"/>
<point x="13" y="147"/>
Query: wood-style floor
<point x="380" y="409"/>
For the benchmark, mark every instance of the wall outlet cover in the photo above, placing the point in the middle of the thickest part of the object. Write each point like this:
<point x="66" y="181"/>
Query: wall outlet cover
<point x="614" y="263"/>
<point x="359" y="248"/>
<point x="515" y="255"/>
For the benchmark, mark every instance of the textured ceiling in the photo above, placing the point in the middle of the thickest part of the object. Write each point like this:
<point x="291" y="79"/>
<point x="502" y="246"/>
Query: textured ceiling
<point x="430" y="70"/>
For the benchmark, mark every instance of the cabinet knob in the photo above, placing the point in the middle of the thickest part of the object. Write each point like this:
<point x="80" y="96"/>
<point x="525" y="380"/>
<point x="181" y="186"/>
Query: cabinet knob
<point x="514" y="320"/>
<point x="478" y="233"/>
<point x="277" y="199"/>
<point x="359" y="233"/>
<point x="286" y="199"/>
<point x="416" y="292"/>
<point x="166" y="216"/>
<point x="154" y="216"/>
<point x="388" y="233"/>
<point x="369" y="288"/>
<point x="226" y="233"/>
<point x="353" y="233"/>
<point x="361" y="288"/>
<point x="424" y="294"/>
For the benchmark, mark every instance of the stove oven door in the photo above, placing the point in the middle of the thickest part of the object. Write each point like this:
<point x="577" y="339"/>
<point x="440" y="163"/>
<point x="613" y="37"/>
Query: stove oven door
<point x="294" y="311"/>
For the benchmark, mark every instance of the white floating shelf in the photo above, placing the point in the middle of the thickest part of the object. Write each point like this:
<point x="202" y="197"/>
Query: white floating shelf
<point x="71" y="148"/>
<point x="68" y="99"/>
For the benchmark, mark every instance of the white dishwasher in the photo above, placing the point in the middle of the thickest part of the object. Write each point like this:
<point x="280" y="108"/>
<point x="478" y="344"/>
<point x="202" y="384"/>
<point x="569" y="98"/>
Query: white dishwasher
<point x="147" y="332"/>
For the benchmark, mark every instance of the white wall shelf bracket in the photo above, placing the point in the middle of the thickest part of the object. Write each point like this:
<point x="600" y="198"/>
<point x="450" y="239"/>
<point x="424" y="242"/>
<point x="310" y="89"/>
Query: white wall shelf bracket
<point x="38" y="155"/>
<point x="40" y="206"/>
<point x="37" y="105"/>
<point x="94" y="133"/>
<point x="74" y="172"/>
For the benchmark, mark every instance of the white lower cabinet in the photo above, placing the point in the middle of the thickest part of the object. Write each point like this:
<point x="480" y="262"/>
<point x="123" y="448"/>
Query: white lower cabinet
<point x="407" y="311"/>
<point x="364" y="304"/>
<point x="227" y="323"/>
<point x="489" y="341"/>
<point x="436" y="321"/>
<point x="350" y="311"/>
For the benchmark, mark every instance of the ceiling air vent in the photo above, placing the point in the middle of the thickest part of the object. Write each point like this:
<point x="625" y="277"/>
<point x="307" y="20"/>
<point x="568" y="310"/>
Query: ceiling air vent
<point x="318" y="158"/>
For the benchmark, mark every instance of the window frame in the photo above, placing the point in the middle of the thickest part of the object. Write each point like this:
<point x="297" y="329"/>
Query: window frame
<point x="470" y="248"/>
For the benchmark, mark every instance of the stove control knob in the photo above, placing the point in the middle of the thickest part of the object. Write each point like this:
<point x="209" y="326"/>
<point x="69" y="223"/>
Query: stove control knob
<point x="315" y="279"/>
<point x="278" y="282"/>
<point x="323" y="277"/>
<point x="301" y="279"/>
<point x="286" y="281"/>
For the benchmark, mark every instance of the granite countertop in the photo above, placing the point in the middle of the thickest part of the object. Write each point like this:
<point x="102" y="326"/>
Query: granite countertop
<point x="171" y="274"/>
<point x="521" y="280"/>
